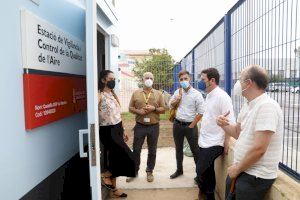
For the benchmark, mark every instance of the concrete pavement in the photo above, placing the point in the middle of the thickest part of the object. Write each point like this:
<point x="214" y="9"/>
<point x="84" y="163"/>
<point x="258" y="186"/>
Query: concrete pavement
<point x="162" y="188"/>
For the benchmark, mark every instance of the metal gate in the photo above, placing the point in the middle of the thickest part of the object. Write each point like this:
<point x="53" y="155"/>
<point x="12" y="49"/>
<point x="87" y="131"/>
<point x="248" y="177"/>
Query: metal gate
<point x="267" y="33"/>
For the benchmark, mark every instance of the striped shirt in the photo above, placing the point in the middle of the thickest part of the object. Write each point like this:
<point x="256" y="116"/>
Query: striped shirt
<point x="190" y="105"/>
<point x="261" y="114"/>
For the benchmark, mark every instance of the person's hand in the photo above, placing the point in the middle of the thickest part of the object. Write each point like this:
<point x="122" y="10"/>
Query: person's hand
<point x="125" y="137"/>
<point x="141" y="111"/>
<point x="222" y="120"/>
<point x="178" y="97"/>
<point x="191" y="125"/>
<point x="233" y="171"/>
<point x="149" y="108"/>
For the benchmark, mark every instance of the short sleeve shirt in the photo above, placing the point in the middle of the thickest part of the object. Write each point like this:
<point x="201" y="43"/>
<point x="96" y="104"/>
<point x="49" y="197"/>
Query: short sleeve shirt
<point x="138" y="101"/>
<point x="261" y="114"/>
<point x="217" y="102"/>
<point x="109" y="110"/>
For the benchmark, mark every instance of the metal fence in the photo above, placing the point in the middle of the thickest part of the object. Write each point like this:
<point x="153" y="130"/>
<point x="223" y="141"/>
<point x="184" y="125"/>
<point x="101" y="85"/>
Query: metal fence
<point x="210" y="52"/>
<point x="263" y="32"/>
<point x="163" y="79"/>
<point x="177" y="68"/>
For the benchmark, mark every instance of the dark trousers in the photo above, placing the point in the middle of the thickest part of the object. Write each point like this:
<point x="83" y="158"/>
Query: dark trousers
<point x="248" y="187"/>
<point x="117" y="157"/>
<point x="103" y="158"/>
<point x="205" y="168"/>
<point x="140" y="133"/>
<point x="191" y="134"/>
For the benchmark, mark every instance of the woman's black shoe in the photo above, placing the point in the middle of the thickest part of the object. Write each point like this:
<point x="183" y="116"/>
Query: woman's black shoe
<point x="108" y="186"/>
<point x="176" y="174"/>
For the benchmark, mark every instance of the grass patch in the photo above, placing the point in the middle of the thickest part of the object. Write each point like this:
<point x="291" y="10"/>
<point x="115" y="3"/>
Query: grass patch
<point x="127" y="116"/>
<point x="130" y="116"/>
<point x="165" y="116"/>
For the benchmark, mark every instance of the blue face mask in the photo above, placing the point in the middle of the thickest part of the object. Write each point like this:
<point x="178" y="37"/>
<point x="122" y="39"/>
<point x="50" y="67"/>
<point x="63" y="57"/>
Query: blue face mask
<point x="202" y="85"/>
<point x="184" y="84"/>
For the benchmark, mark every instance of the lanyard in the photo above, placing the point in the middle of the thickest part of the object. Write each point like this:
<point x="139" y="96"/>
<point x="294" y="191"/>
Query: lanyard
<point x="146" y="98"/>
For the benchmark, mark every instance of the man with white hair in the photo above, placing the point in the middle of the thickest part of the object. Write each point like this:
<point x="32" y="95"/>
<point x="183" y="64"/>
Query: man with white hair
<point x="147" y="104"/>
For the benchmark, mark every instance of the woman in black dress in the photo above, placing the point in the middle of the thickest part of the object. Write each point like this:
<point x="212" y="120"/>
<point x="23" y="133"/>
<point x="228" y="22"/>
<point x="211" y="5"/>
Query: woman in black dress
<point x="117" y="158"/>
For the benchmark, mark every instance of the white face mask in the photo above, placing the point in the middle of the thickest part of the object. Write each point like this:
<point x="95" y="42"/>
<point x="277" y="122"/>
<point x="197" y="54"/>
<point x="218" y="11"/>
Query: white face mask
<point x="148" y="83"/>
<point x="237" y="89"/>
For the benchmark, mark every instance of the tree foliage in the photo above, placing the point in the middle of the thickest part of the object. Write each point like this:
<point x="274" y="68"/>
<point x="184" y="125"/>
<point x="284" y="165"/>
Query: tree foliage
<point x="160" y="64"/>
<point x="276" y="78"/>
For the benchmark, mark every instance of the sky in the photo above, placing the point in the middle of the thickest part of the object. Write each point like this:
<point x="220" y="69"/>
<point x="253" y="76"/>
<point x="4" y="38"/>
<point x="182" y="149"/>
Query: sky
<point x="177" y="25"/>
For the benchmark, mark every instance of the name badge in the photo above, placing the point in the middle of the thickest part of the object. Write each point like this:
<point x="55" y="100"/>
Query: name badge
<point x="147" y="120"/>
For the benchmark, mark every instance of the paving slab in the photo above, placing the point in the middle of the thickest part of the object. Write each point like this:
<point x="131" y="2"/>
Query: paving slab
<point x="165" y="166"/>
<point x="162" y="194"/>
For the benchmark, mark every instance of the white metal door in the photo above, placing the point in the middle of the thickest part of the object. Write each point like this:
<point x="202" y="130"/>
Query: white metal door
<point x="92" y="101"/>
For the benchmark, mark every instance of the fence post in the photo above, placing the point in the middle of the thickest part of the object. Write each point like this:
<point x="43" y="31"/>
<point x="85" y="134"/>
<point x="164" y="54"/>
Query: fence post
<point x="176" y="69"/>
<point x="227" y="53"/>
<point x="193" y="67"/>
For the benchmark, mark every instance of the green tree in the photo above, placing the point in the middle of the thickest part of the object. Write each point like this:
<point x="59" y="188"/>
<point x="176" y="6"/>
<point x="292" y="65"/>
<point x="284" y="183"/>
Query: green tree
<point x="276" y="78"/>
<point x="160" y="64"/>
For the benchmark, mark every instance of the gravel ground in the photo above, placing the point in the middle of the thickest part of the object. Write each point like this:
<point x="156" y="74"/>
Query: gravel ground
<point x="165" y="136"/>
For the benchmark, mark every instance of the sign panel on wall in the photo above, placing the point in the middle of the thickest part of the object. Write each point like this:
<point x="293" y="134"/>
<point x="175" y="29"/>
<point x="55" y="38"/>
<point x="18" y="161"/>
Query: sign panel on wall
<point x="54" y="72"/>
<point x="45" y="47"/>
<point x="51" y="98"/>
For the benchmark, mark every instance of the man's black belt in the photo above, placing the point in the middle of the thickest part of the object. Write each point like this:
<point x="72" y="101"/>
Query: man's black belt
<point x="146" y="124"/>
<point x="182" y="123"/>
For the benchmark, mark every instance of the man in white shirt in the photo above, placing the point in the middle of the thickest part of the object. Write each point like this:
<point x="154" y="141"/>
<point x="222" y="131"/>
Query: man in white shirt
<point x="212" y="137"/>
<point x="189" y="112"/>
<point x="258" y="131"/>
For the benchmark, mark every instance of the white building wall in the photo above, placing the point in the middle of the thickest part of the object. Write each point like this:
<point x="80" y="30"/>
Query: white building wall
<point x="28" y="157"/>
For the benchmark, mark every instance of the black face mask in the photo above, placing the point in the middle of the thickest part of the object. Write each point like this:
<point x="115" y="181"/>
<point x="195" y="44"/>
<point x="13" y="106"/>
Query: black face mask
<point x="111" y="84"/>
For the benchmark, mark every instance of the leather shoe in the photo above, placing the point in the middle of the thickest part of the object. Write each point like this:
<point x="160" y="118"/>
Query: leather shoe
<point x="176" y="174"/>
<point x="150" y="177"/>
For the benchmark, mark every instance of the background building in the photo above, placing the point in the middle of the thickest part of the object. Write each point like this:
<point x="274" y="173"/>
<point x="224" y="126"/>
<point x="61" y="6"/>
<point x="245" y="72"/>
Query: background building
<point x="48" y="84"/>
<point x="128" y="81"/>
